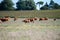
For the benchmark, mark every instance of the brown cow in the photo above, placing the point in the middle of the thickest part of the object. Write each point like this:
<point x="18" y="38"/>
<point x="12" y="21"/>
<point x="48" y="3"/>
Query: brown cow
<point x="26" y="21"/>
<point x="4" y="19"/>
<point x="43" y="18"/>
<point x="35" y="18"/>
<point x="31" y="20"/>
<point x="46" y="18"/>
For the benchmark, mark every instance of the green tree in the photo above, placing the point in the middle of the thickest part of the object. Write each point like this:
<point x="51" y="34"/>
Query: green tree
<point x="46" y="4"/>
<point x="32" y="4"/>
<point x="20" y="5"/>
<point x="25" y="5"/>
<point x="51" y="2"/>
<point x="51" y="5"/>
<point x="56" y="6"/>
<point x="45" y="7"/>
<point x="40" y="3"/>
<point x="6" y="5"/>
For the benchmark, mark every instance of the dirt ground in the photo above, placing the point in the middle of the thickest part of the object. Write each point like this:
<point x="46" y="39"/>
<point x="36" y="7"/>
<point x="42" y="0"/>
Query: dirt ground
<point x="39" y="30"/>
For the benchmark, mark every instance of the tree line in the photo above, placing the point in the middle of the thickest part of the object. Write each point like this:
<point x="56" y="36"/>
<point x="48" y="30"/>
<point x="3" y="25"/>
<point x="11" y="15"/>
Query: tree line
<point x="27" y="5"/>
<point x="51" y="5"/>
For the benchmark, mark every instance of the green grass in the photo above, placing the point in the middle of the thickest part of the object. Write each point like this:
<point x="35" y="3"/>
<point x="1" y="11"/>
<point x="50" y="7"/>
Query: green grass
<point x="33" y="13"/>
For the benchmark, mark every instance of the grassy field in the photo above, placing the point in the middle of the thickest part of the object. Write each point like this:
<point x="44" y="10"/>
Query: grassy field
<point x="33" y="13"/>
<point x="39" y="30"/>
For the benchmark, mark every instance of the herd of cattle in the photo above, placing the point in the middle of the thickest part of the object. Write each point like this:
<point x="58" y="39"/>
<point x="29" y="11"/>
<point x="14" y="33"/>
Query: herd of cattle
<point x="33" y="19"/>
<point x="27" y="20"/>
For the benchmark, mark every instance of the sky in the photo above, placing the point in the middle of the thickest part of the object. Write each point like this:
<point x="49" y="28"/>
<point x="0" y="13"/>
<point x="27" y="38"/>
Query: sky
<point x="48" y="1"/>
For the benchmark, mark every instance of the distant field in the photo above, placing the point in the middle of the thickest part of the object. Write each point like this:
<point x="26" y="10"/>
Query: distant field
<point x="35" y="13"/>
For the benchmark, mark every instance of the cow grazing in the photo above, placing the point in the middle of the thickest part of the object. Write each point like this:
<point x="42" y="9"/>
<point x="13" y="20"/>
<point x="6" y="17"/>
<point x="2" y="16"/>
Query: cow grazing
<point x="4" y="19"/>
<point x="26" y="21"/>
<point x="32" y="20"/>
<point x="43" y="18"/>
<point x="46" y="18"/>
<point x="35" y="18"/>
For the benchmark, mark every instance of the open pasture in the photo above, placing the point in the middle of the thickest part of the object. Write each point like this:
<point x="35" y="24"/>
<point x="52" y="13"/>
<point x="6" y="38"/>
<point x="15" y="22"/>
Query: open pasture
<point x="39" y="30"/>
<point x="16" y="29"/>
